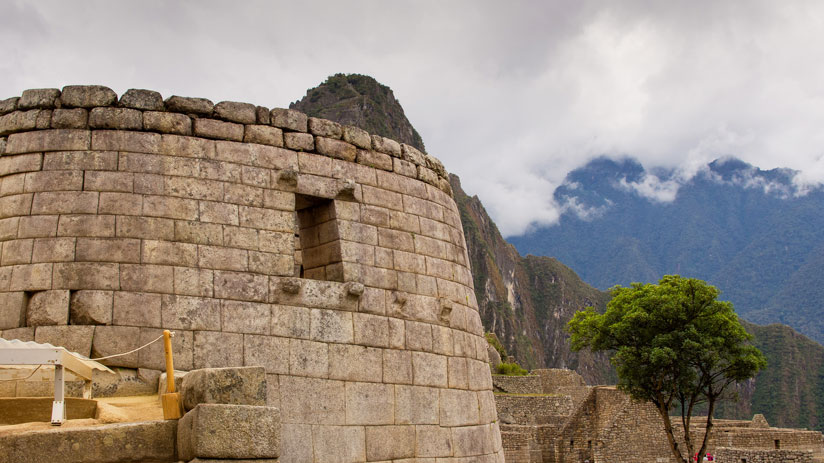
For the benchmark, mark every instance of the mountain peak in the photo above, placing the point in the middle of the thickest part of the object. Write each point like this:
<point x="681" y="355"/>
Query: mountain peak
<point x="362" y="101"/>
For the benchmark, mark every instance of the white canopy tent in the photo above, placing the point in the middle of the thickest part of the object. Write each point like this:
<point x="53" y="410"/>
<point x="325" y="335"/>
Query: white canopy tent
<point x="15" y="353"/>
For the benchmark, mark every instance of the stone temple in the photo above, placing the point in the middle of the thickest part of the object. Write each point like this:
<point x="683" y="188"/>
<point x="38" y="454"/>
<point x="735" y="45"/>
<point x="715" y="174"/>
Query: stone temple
<point x="333" y="258"/>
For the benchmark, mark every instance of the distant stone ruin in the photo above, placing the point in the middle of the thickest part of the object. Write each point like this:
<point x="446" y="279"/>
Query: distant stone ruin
<point x="552" y="416"/>
<point x="333" y="258"/>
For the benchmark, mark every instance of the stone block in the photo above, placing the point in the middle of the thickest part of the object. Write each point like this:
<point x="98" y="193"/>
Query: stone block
<point x="48" y="140"/>
<point x="116" y="118"/>
<point x="91" y="308"/>
<point x="210" y="128"/>
<point x="32" y="277"/>
<point x="241" y="286"/>
<point x="325" y="128"/>
<point x="153" y="357"/>
<point x="86" y="225"/>
<point x="374" y="159"/>
<point x="397" y="333"/>
<point x="147" y="100"/>
<point x="173" y="208"/>
<point x="9" y="228"/>
<point x="37" y="226"/>
<point x="118" y="140"/>
<point x="386" y="145"/>
<point x="163" y="122"/>
<point x="245" y="317"/>
<point x="418" y="336"/>
<point x="144" y="441"/>
<point x="331" y="326"/>
<point x="264" y="135"/>
<point x="77" y="118"/>
<point x="357" y="137"/>
<point x="312" y="400"/>
<point x="458" y="408"/>
<point x="198" y="232"/>
<point x="21" y="334"/>
<point x="389" y="442"/>
<point x="110" y="340"/>
<point x="486" y="407"/>
<point x="296" y="442"/>
<point x="65" y="202"/>
<point x="214" y="349"/>
<point x="291" y="322"/>
<point x="338" y="444"/>
<point x="355" y="363"/>
<point x="269" y="352"/>
<point x="48" y="308"/>
<point x="110" y="181"/>
<point x="17" y="252"/>
<point x="299" y="141"/>
<point x="308" y="358"/>
<point x="193" y="282"/>
<point x="458" y="375"/>
<point x="108" y="250"/>
<point x="190" y="313"/>
<point x="336" y="149"/>
<point x="371" y="330"/>
<point x="480" y="376"/>
<point x="9" y="104"/>
<point x="150" y="278"/>
<point x="87" y="96"/>
<point x="223" y="258"/>
<point x="229" y="432"/>
<point x="234" y="385"/>
<point x="75" y="338"/>
<point x="38" y="98"/>
<point x="433" y="441"/>
<point x="397" y="366"/>
<point x="217" y="212"/>
<point x="18" y="121"/>
<point x="471" y="440"/>
<point x="370" y="404"/>
<point x="136" y="309"/>
<point x="12" y="310"/>
<point x="242" y="113"/>
<point x="429" y="369"/>
<point x="416" y="405"/>
<point x="289" y="119"/>
<point x="185" y="105"/>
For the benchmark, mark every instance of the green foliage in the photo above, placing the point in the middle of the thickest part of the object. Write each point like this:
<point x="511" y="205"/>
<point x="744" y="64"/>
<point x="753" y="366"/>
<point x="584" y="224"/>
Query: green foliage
<point x="510" y="369"/>
<point x="493" y="341"/>
<point x="672" y="343"/>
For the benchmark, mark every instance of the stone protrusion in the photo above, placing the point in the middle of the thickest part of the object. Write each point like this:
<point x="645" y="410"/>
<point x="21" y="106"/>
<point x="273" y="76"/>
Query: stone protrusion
<point x="325" y="128"/>
<point x="243" y="113"/>
<point x="8" y="105"/>
<point x="386" y="145"/>
<point x="355" y="289"/>
<point x="147" y="100"/>
<point x="357" y="137"/>
<point x="229" y="432"/>
<point x="48" y="308"/>
<point x="290" y="285"/>
<point x="235" y="385"/>
<point x="288" y="177"/>
<point x="445" y="315"/>
<point x="41" y="98"/>
<point x="186" y="105"/>
<point x="289" y="119"/>
<point x="87" y="96"/>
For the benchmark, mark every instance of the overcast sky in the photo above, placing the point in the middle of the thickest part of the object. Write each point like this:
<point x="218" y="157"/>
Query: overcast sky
<point x="510" y="95"/>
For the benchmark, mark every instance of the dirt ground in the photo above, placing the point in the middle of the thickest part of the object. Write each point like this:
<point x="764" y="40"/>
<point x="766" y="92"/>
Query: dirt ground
<point x="109" y="410"/>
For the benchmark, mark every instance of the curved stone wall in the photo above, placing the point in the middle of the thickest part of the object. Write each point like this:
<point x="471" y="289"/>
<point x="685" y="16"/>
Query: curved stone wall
<point x="333" y="258"/>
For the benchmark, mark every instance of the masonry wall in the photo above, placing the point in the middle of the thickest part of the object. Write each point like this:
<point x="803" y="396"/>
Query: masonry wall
<point x="333" y="258"/>
<point x="728" y="455"/>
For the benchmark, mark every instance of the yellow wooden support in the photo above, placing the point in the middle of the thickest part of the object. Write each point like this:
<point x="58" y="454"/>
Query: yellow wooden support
<point x="172" y="407"/>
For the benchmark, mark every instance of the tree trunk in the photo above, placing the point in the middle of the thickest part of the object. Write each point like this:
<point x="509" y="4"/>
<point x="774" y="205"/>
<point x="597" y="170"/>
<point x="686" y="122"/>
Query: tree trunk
<point x="664" y="412"/>
<point x="710" y="411"/>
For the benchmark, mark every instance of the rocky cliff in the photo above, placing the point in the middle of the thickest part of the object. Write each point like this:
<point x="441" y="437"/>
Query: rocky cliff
<point x="527" y="301"/>
<point x="354" y="99"/>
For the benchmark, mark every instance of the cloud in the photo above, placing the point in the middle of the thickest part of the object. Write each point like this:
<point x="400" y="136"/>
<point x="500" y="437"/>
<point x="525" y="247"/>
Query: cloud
<point x="652" y="188"/>
<point x="510" y="95"/>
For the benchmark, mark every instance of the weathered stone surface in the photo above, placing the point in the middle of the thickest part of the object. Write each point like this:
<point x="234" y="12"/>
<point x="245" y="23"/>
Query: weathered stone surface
<point x="21" y="334"/>
<point x="220" y="130"/>
<point x="243" y="113"/>
<point x="289" y="119"/>
<point x="433" y="441"/>
<point x="235" y="385"/>
<point x="390" y="442"/>
<point x="299" y="141"/>
<point x="416" y="405"/>
<point x="75" y="338"/>
<point x="48" y="308"/>
<point x="18" y="121"/>
<point x="163" y="122"/>
<point x="229" y="432"/>
<point x="87" y="96"/>
<point x="12" y="310"/>
<point x="325" y="128"/>
<point x="142" y="99"/>
<point x="110" y="340"/>
<point x="386" y="145"/>
<point x="264" y="135"/>
<point x="8" y="105"/>
<point x="336" y="148"/>
<point x="215" y="349"/>
<point x="370" y="403"/>
<point x="145" y="441"/>
<point x="38" y="98"/>
<point x="357" y="137"/>
<point x="185" y="105"/>
<point x="76" y="118"/>
<point x="116" y="118"/>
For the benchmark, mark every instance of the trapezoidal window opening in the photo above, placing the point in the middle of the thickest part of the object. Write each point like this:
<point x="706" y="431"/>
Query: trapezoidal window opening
<point x="317" y="244"/>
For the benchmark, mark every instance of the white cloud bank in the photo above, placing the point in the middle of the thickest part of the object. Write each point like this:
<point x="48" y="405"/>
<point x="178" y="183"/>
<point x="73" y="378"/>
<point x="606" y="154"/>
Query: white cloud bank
<point x="510" y="95"/>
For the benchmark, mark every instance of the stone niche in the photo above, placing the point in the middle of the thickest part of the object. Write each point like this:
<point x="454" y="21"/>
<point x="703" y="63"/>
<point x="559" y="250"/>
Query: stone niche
<point x="332" y="258"/>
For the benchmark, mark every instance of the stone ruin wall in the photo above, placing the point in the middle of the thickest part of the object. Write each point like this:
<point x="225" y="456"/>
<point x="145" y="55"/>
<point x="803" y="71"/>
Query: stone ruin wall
<point x="333" y="258"/>
<point x="725" y="455"/>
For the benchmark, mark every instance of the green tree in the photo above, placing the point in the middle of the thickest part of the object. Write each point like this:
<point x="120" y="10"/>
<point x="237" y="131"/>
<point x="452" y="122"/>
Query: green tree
<point x="673" y="344"/>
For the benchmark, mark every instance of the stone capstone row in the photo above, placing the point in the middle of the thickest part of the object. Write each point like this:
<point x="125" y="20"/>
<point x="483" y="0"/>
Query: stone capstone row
<point x="97" y="107"/>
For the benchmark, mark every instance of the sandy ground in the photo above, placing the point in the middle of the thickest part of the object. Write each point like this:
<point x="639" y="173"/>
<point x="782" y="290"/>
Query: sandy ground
<point x="109" y="410"/>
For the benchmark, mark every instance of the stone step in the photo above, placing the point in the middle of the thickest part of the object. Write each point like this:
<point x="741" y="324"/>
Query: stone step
<point x="147" y="442"/>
